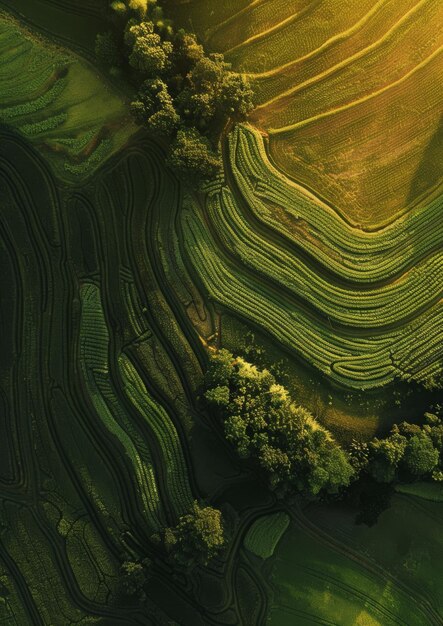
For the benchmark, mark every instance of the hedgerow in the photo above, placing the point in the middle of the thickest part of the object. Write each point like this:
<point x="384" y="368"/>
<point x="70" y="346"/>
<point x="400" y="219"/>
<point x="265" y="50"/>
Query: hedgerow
<point x="43" y="126"/>
<point x="264" y="424"/>
<point x="33" y="106"/>
<point x="99" y="154"/>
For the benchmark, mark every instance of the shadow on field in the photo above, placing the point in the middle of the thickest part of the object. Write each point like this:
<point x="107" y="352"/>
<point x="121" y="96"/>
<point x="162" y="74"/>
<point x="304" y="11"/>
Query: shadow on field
<point x="429" y="171"/>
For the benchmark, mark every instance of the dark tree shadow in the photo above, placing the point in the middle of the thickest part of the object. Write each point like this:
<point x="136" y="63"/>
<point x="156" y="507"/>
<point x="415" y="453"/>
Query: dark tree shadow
<point x="430" y="169"/>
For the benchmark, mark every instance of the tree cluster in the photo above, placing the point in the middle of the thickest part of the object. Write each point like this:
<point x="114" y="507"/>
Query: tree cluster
<point x="198" y="536"/>
<point x="409" y="452"/>
<point x="297" y="454"/>
<point x="183" y="94"/>
<point x="264" y="425"/>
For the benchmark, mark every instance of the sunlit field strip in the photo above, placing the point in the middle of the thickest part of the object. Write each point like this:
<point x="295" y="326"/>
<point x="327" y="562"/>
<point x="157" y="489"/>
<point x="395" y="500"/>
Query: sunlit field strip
<point x="176" y="483"/>
<point x="352" y="253"/>
<point x="94" y="340"/>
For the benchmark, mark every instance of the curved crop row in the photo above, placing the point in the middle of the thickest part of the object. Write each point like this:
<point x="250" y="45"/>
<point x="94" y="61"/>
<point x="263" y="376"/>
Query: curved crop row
<point x="417" y="290"/>
<point x="350" y="359"/>
<point x="301" y="218"/>
<point x="94" y="341"/>
<point x="176" y="484"/>
<point x="30" y="106"/>
<point x="58" y="452"/>
<point x="349" y="98"/>
<point x="322" y="91"/>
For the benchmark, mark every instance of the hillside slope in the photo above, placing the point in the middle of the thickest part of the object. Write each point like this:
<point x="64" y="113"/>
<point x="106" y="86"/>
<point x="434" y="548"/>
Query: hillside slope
<point x="349" y="93"/>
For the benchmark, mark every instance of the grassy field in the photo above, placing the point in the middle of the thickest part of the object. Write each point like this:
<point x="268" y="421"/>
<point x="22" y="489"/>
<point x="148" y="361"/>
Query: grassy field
<point x="347" y="92"/>
<point x="329" y="571"/>
<point x="59" y="102"/>
<point x="428" y="491"/>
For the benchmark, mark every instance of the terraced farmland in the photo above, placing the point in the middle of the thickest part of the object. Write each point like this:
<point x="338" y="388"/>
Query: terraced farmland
<point x="364" y="308"/>
<point x="110" y="453"/>
<point x="347" y="92"/>
<point x="322" y="240"/>
<point x="99" y="370"/>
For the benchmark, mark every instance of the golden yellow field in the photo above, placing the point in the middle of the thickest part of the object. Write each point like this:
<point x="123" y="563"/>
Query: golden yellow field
<point x="349" y="93"/>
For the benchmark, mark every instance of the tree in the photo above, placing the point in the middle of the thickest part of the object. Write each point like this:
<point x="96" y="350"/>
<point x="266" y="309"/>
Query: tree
<point x="192" y="157"/>
<point x="433" y="427"/>
<point x="276" y="463"/>
<point x="134" y="575"/>
<point x="218" y="395"/>
<point x="236" y="97"/>
<point x="138" y="7"/>
<point x="120" y="9"/>
<point x="164" y="122"/>
<point x="194" y="94"/>
<point x="392" y="448"/>
<point x="198" y="536"/>
<point x="420" y="455"/>
<point x="385" y="456"/>
<point x="187" y="52"/>
<point x="359" y="455"/>
<point x="212" y="93"/>
<point x="148" y="53"/>
<point x="208" y="73"/>
<point x="410" y="447"/>
<point x="220" y="370"/>
<point x="154" y="107"/>
<point x="329" y="469"/>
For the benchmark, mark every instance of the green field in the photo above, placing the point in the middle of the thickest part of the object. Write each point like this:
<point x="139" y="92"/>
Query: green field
<point x="263" y="536"/>
<point x="59" y="102"/>
<point x="317" y="253"/>
<point x="329" y="571"/>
